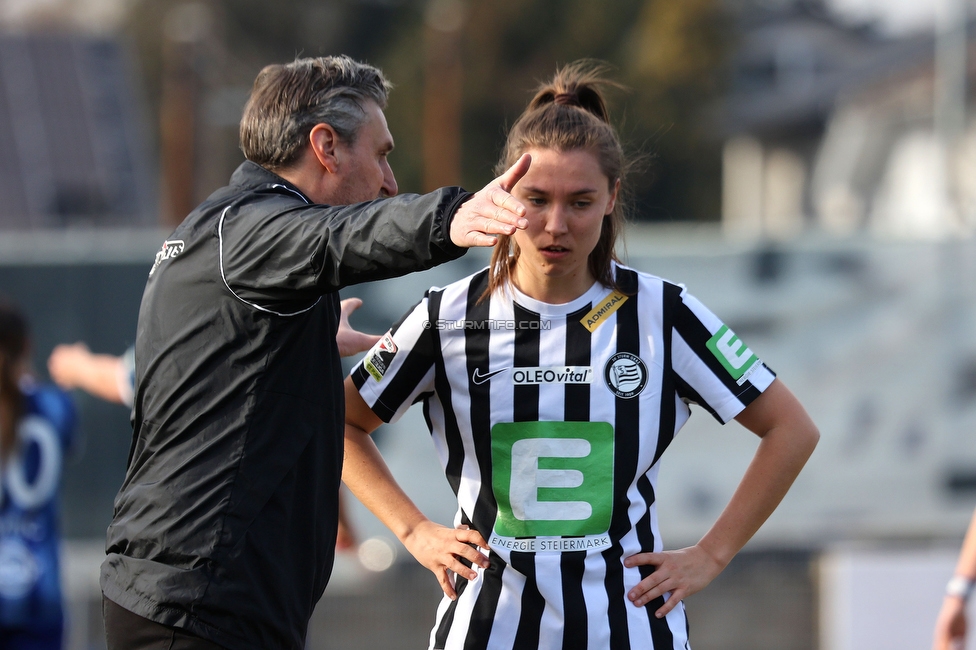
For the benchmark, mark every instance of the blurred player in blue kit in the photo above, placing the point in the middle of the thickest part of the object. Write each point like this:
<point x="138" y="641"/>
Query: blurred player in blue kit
<point x="36" y="428"/>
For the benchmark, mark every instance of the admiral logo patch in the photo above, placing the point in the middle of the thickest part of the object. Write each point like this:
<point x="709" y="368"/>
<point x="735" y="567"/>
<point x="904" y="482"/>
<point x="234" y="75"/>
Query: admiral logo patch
<point x="378" y="359"/>
<point x="603" y="310"/>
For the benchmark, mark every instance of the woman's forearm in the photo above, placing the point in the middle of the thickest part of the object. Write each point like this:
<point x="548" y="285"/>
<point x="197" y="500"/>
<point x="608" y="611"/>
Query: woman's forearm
<point x="781" y="454"/>
<point x="368" y="477"/>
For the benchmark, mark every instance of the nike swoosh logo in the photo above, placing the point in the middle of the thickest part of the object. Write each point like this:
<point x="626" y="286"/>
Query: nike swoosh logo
<point x="479" y="378"/>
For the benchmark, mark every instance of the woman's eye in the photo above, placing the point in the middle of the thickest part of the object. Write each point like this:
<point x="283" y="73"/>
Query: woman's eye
<point x="582" y="204"/>
<point x="535" y="200"/>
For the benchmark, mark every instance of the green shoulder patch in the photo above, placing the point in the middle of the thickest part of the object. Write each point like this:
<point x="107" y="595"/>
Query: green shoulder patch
<point x="734" y="355"/>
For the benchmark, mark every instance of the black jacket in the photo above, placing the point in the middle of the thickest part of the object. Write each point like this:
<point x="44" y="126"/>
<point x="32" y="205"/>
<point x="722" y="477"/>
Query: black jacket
<point x="226" y="522"/>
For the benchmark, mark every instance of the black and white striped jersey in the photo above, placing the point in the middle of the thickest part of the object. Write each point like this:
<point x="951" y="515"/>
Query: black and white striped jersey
<point x="550" y="421"/>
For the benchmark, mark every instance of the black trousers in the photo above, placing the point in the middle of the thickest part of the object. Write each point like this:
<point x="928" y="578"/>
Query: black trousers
<point x="127" y="631"/>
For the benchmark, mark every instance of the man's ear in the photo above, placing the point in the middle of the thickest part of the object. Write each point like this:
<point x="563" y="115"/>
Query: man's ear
<point x="324" y="140"/>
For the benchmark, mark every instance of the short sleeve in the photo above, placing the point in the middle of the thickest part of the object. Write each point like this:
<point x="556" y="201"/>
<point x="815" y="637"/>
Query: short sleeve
<point x="400" y="367"/>
<point x="712" y="366"/>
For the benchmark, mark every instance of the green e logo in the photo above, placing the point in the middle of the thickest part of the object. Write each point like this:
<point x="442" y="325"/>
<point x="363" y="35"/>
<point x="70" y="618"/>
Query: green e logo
<point x="731" y="352"/>
<point x="552" y="478"/>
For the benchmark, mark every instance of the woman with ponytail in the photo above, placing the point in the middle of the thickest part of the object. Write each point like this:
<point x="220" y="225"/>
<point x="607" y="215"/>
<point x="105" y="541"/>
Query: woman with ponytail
<point x="553" y="382"/>
<point x="36" y="425"/>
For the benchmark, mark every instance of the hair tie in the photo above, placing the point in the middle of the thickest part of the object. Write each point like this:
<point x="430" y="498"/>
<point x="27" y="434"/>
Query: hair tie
<point x="566" y="99"/>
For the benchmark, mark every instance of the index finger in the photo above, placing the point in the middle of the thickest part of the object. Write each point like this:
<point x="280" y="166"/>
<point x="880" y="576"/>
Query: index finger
<point x="471" y="536"/>
<point x="514" y="173"/>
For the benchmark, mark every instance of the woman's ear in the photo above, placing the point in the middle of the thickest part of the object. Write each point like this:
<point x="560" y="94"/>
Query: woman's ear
<point x="613" y="197"/>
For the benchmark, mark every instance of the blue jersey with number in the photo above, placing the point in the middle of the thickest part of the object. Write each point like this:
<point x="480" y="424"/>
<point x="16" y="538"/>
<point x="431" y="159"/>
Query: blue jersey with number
<point x="30" y="590"/>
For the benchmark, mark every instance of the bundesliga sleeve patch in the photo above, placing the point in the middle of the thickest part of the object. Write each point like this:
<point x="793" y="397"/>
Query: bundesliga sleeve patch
<point x="379" y="358"/>
<point x="734" y="355"/>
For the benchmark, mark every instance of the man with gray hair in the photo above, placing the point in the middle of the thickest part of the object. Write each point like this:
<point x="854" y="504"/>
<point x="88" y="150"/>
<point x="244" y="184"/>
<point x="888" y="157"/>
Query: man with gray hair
<point x="224" y="529"/>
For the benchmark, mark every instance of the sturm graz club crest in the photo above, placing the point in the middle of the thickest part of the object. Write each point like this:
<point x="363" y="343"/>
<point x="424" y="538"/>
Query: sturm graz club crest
<point x="625" y="374"/>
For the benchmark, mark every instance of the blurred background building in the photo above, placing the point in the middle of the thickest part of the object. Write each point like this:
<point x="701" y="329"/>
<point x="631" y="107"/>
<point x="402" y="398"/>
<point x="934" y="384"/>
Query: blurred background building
<point x="807" y="168"/>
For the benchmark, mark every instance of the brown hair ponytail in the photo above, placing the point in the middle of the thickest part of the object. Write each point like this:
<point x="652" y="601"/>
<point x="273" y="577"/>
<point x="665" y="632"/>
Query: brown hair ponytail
<point x="567" y="113"/>
<point x="13" y="348"/>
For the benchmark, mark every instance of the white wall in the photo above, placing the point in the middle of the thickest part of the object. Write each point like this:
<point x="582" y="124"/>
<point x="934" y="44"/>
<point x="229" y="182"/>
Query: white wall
<point x="875" y="599"/>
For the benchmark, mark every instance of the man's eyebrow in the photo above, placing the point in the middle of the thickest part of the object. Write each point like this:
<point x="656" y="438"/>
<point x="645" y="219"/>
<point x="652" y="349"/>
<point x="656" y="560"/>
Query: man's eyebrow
<point x="537" y="190"/>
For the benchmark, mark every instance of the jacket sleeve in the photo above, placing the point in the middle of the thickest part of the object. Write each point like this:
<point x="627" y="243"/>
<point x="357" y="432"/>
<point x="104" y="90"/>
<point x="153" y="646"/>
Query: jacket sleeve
<point x="275" y="250"/>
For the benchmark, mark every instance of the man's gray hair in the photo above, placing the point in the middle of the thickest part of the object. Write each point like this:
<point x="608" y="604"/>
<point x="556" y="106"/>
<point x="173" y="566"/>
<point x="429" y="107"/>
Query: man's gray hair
<point x="288" y="100"/>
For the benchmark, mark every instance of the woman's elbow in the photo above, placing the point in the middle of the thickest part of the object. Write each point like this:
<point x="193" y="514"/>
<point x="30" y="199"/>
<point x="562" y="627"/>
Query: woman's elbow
<point x="808" y="437"/>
